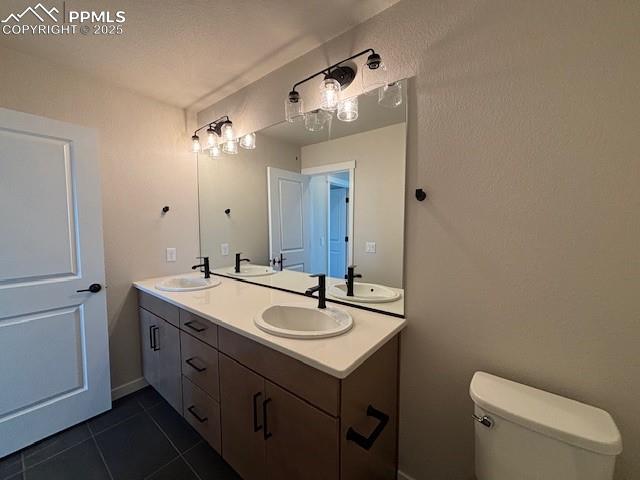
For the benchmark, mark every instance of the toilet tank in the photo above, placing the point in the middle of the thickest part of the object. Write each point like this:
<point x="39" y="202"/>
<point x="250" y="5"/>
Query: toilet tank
<point x="522" y="433"/>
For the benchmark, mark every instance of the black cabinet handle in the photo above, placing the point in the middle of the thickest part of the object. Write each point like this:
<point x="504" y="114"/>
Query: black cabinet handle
<point x="151" y="346"/>
<point x="192" y="411"/>
<point x="93" y="288"/>
<point x="155" y="338"/>
<point x="267" y="434"/>
<point x="367" y="442"/>
<point x="256" y="427"/>
<point x="191" y="326"/>
<point x="189" y="361"/>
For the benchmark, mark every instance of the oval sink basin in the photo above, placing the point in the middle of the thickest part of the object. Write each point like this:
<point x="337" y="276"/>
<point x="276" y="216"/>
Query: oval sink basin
<point x="187" y="284"/>
<point x="251" y="271"/>
<point x="364" y="293"/>
<point x="298" y="321"/>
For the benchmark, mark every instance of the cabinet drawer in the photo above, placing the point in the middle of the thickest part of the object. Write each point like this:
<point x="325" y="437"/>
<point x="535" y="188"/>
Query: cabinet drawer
<point x="159" y="307"/>
<point x="202" y="412"/>
<point x="318" y="388"/>
<point x="200" y="364"/>
<point x="200" y="328"/>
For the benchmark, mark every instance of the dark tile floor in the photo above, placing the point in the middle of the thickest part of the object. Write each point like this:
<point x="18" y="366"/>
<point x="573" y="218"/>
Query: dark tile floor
<point x="142" y="437"/>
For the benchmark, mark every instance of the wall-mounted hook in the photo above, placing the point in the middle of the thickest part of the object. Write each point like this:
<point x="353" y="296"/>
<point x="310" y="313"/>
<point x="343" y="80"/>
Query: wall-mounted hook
<point x="227" y="211"/>
<point x="421" y="195"/>
<point x="165" y="209"/>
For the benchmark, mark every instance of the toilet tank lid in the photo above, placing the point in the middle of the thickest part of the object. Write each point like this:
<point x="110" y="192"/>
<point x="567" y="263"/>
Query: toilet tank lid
<point x="558" y="417"/>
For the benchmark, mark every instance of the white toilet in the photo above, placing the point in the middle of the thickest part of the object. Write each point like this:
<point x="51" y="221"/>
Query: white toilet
<point x="523" y="433"/>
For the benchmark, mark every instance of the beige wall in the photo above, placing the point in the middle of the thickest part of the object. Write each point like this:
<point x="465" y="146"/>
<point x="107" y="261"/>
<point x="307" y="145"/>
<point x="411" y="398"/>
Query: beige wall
<point x="378" y="199"/>
<point x="524" y="260"/>
<point x="239" y="182"/>
<point x="145" y="165"/>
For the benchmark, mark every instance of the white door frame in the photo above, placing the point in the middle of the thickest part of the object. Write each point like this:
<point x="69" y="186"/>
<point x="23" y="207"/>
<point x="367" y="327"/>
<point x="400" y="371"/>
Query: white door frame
<point x="350" y="167"/>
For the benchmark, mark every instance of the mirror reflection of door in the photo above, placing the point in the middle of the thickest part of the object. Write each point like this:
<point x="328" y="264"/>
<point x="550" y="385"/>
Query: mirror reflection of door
<point x="338" y="223"/>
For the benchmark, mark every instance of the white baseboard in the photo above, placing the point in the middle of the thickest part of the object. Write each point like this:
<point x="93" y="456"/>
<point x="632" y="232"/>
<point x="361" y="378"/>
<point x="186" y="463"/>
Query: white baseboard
<point x="127" y="388"/>
<point x="404" y="476"/>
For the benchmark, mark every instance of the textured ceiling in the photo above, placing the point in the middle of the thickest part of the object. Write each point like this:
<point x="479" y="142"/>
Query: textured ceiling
<point x="192" y="52"/>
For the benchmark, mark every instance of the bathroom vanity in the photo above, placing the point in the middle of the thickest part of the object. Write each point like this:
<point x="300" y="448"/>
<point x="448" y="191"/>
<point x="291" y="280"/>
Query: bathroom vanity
<point x="275" y="407"/>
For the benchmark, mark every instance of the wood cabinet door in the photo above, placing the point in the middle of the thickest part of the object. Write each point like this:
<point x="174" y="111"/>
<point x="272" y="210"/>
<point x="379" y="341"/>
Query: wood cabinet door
<point x="241" y="400"/>
<point x="150" y="368"/>
<point x="169" y="375"/>
<point x="302" y="441"/>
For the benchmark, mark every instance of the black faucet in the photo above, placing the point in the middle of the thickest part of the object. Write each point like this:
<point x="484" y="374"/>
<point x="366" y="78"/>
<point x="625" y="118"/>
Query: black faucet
<point x="204" y="266"/>
<point x="349" y="277"/>
<point x="321" y="288"/>
<point x="238" y="260"/>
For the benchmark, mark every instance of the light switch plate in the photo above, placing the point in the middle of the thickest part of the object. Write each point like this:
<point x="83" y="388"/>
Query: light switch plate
<point x="171" y="254"/>
<point x="224" y="249"/>
<point x="370" y="247"/>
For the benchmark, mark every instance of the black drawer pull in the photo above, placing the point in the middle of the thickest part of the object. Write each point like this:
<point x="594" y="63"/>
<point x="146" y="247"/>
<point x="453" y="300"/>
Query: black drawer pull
<point x="154" y="331"/>
<point x="189" y="361"/>
<point x="256" y="427"/>
<point x="367" y="442"/>
<point x="194" y="328"/>
<point x="192" y="411"/>
<point x="267" y="434"/>
<point x="151" y="345"/>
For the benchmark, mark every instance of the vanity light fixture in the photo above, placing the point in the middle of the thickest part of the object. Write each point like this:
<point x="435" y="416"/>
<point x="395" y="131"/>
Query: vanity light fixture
<point x="348" y="109"/>
<point x="221" y="138"/>
<point x="336" y="78"/>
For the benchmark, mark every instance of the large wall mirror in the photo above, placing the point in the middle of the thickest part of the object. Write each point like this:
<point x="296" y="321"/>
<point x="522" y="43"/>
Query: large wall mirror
<point x="317" y="195"/>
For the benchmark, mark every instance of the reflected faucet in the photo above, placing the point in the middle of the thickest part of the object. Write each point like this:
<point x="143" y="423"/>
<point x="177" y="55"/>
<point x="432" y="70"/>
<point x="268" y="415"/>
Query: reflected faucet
<point x="238" y="260"/>
<point x="320" y="288"/>
<point x="349" y="277"/>
<point x="204" y="266"/>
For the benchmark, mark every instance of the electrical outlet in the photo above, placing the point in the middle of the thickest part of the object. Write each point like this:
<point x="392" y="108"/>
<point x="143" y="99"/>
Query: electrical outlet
<point x="171" y="254"/>
<point x="224" y="249"/>
<point x="370" y="247"/>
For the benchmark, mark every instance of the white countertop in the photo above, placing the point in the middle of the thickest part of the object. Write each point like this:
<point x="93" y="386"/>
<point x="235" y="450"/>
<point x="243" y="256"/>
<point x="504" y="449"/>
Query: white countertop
<point x="234" y="304"/>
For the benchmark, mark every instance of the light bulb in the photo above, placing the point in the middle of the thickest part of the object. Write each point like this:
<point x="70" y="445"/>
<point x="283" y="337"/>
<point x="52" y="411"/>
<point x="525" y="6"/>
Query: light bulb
<point x="227" y="132"/>
<point x="293" y="107"/>
<point x="315" y="121"/>
<point x="195" y="144"/>
<point x="215" y="151"/>
<point x="230" y="147"/>
<point x="248" y="141"/>
<point x="212" y="138"/>
<point x="348" y="109"/>
<point x="329" y="94"/>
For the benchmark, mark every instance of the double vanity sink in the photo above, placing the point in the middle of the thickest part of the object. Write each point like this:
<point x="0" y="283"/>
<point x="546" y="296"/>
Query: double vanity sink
<point x="279" y="387"/>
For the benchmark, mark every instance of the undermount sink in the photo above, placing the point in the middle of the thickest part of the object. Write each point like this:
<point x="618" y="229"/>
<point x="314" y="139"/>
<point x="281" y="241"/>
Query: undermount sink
<point x="299" y="321"/>
<point x="251" y="271"/>
<point x="187" y="284"/>
<point x="364" y="292"/>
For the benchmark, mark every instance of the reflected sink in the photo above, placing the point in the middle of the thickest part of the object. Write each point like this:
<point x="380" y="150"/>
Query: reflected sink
<point x="364" y="293"/>
<point x="299" y="321"/>
<point x="251" y="271"/>
<point x="187" y="284"/>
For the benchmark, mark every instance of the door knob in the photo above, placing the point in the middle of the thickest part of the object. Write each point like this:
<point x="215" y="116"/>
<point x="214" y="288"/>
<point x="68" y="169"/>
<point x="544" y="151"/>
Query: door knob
<point x="93" y="288"/>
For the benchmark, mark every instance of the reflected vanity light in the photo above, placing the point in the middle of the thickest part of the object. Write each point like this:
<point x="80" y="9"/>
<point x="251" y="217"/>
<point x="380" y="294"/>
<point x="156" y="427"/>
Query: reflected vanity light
<point x="315" y="120"/>
<point x="390" y="95"/>
<point x="348" y="109"/>
<point x="221" y="138"/>
<point x="248" y="141"/>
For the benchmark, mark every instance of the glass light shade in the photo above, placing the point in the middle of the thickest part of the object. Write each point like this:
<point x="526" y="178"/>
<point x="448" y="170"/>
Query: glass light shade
<point x="348" y="109"/>
<point x="329" y="94"/>
<point x="215" y="151"/>
<point x="315" y="121"/>
<point x="226" y="132"/>
<point x="195" y="144"/>
<point x="390" y="95"/>
<point x="294" y="111"/>
<point x="212" y="139"/>
<point x="230" y="147"/>
<point x="248" y="141"/>
<point x="373" y="79"/>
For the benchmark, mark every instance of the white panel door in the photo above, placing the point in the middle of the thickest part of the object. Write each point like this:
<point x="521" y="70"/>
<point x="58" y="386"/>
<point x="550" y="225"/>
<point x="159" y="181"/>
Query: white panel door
<point x="288" y="197"/>
<point x="54" y="356"/>
<point x="338" y="207"/>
